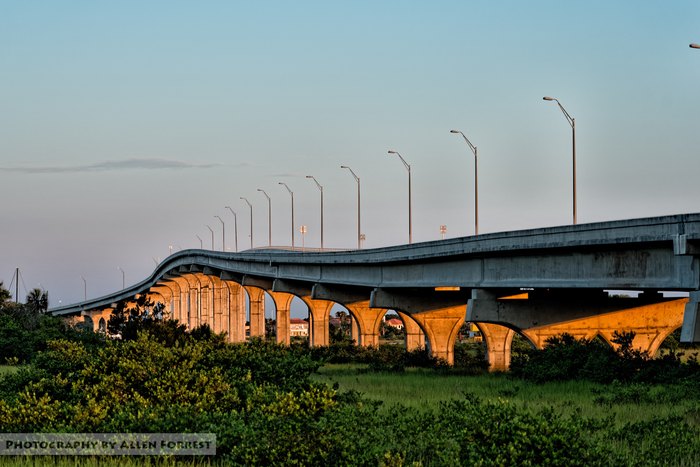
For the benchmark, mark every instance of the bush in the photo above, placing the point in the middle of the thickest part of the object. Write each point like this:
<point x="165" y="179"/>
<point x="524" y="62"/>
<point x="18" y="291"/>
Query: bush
<point x="259" y="400"/>
<point x="567" y="358"/>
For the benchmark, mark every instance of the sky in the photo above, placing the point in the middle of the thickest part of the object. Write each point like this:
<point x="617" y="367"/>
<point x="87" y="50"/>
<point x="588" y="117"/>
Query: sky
<point x="126" y="127"/>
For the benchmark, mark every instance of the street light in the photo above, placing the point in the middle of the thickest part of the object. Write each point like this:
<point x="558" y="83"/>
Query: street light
<point x="212" y="237"/>
<point x="357" y="179"/>
<point x="476" y="180"/>
<point x="235" y="226"/>
<point x="251" y="220"/>
<point x="292" y="195"/>
<point x="303" y="231"/>
<point x="321" y="189"/>
<point x="443" y="231"/>
<point x="123" y="277"/>
<point x="223" y="234"/>
<point x="572" y="122"/>
<point x="201" y="243"/>
<point x="410" y="223"/>
<point x="84" y="288"/>
<point x="269" y="217"/>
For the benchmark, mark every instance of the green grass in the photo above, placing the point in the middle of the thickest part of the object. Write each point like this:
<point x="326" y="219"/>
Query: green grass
<point x="425" y="388"/>
<point x="84" y="461"/>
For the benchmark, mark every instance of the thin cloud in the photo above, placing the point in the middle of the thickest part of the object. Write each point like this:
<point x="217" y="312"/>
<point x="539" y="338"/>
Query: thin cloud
<point x="289" y="175"/>
<point x="127" y="164"/>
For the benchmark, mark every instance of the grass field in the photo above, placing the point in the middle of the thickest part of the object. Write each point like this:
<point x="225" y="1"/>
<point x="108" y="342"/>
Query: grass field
<point x="425" y="389"/>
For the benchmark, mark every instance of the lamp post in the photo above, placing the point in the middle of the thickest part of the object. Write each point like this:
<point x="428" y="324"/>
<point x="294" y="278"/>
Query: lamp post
<point x="443" y="231"/>
<point x="123" y="278"/>
<point x="84" y="288"/>
<point x="321" y="189"/>
<point x="572" y="122"/>
<point x="410" y="223"/>
<point x="357" y="179"/>
<point x="223" y="234"/>
<point x="476" y="180"/>
<point x="235" y="226"/>
<point x="251" y="220"/>
<point x="291" y="193"/>
<point x="212" y="237"/>
<point x="269" y="216"/>
<point x="201" y="243"/>
<point x="303" y="231"/>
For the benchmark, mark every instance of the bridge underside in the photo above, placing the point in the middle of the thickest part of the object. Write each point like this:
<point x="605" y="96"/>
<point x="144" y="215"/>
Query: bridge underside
<point x="537" y="283"/>
<point x="431" y="318"/>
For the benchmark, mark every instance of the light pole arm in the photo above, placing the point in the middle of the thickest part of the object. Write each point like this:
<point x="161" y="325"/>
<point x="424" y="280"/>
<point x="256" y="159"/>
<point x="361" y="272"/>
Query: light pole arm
<point x="287" y="187"/>
<point x="405" y="164"/>
<point x="316" y="182"/>
<point x="569" y="118"/>
<point x="469" y="143"/>
<point x="357" y="179"/>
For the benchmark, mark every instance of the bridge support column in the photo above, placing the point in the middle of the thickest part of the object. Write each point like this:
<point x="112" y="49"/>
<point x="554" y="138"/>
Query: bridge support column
<point x="283" y="302"/>
<point x="182" y="296"/>
<point x="190" y="286"/>
<point x="219" y="306"/>
<point x="441" y="328"/>
<point x="690" y="332"/>
<point x="438" y="313"/>
<point x="256" y="300"/>
<point x="194" y="308"/>
<point x="319" y="316"/>
<point x="365" y="320"/>
<point x="205" y="299"/>
<point x="415" y="338"/>
<point x="235" y="312"/>
<point x="94" y="317"/>
<point x="163" y="294"/>
<point x="368" y="321"/>
<point x="354" y="330"/>
<point x="498" y="340"/>
<point x="175" y="302"/>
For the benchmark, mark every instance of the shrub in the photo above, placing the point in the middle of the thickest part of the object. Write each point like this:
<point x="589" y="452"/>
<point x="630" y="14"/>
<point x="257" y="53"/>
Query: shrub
<point x="567" y="358"/>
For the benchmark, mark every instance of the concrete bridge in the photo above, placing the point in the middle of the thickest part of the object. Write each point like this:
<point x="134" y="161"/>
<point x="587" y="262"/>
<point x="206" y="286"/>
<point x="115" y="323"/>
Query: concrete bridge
<point x="538" y="282"/>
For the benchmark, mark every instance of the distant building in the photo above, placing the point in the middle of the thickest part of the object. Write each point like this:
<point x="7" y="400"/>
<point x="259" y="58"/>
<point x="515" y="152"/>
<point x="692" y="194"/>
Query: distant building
<point x="395" y="323"/>
<point x="298" y="327"/>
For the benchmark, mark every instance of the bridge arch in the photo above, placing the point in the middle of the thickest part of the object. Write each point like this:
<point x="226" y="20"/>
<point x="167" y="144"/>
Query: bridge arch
<point x="578" y="262"/>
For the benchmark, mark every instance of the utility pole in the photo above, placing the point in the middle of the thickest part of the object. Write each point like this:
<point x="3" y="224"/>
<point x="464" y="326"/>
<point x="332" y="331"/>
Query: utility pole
<point x="17" y="285"/>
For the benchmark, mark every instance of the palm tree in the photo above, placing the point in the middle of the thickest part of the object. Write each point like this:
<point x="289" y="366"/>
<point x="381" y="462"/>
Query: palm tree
<point x="38" y="300"/>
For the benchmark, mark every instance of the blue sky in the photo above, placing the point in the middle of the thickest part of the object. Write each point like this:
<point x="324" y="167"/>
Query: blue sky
<point x="127" y="126"/>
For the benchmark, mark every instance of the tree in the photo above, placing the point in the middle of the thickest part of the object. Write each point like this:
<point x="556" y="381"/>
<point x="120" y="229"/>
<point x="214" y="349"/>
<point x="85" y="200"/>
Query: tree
<point x="5" y="295"/>
<point x="38" y="300"/>
<point x="341" y="332"/>
<point x="270" y="329"/>
<point x="126" y="320"/>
